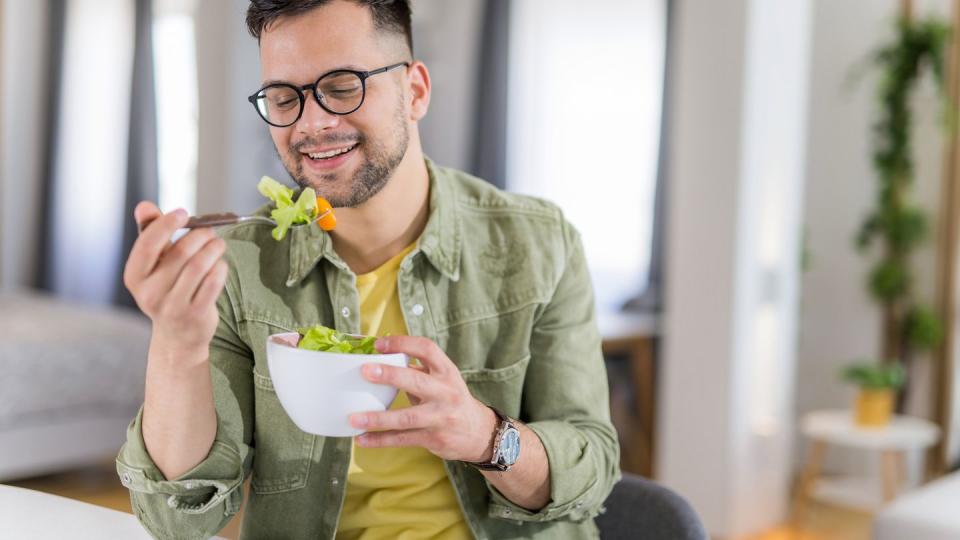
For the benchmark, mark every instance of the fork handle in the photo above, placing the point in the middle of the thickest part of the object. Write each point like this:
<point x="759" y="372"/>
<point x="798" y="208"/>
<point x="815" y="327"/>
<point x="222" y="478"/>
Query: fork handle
<point x="212" y="220"/>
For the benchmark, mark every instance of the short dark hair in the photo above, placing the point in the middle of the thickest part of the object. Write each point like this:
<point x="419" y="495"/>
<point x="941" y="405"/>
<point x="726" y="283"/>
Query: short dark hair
<point x="392" y="16"/>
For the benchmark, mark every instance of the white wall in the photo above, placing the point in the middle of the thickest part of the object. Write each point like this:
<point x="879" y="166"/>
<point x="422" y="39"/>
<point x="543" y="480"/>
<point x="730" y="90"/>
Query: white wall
<point x="736" y="146"/>
<point x="839" y="323"/>
<point x="22" y="105"/>
<point x="705" y="230"/>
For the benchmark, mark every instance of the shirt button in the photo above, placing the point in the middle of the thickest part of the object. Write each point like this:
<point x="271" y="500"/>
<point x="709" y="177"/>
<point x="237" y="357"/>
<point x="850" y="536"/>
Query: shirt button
<point x="335" y="481"/>
<point x="125" y="479"/>
<point x="417" y="310"/>
<point x="345" y="312"/>
<point x="507" y="512"/>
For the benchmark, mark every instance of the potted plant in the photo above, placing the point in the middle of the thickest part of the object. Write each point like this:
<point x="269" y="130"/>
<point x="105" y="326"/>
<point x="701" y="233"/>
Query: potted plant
<point x="878" y="384"/>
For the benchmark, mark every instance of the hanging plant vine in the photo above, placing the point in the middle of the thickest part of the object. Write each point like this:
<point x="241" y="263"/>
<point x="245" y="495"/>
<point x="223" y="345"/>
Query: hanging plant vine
<point x="897" y="226"/>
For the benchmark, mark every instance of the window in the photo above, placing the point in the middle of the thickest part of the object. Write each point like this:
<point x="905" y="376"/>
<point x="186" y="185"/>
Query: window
<point x="90" y="162"/>
<point x="175" y="81"/>
<point x="586" y="88"/>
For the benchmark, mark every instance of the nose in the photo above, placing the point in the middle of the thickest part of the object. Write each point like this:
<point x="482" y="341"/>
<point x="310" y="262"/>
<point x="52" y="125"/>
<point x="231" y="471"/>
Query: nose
<point x="315" y="119"/>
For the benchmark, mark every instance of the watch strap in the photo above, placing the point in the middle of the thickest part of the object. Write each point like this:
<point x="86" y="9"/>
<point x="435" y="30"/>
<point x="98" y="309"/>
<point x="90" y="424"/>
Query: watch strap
<point x="503" y="423"/>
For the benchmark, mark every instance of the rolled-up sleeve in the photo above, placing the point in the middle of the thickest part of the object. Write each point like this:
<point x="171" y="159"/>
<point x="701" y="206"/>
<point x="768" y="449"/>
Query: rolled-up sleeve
<point x="201" y="501"/>
<point x="566" y="400"/>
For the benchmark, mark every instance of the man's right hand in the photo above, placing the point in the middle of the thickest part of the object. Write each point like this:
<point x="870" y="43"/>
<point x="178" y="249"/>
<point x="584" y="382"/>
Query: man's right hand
<point x="176" y="285"/>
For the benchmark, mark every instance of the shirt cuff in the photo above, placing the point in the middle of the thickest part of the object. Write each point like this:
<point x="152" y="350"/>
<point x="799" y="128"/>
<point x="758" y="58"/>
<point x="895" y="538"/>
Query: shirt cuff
<point x="577" y="491"/>
<point x="216" y="479"/>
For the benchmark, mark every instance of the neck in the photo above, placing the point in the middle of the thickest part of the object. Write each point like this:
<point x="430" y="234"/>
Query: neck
<point x="369" y="235"/>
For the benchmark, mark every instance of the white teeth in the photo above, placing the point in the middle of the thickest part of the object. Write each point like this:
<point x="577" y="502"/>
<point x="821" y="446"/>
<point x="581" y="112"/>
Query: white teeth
<point x="331" y="153"/>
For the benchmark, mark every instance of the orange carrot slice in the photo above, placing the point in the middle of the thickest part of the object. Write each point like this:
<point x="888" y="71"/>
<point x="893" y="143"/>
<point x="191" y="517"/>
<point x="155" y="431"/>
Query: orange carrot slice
<point x="329" y="221"/>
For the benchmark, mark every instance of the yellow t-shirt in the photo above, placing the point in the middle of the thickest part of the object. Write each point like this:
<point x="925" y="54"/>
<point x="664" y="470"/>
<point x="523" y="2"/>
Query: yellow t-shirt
<point x="395" y="492"/>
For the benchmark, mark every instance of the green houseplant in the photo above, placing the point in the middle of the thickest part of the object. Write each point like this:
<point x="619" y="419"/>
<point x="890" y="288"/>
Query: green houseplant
<point x="896" y="226"/>
<point x="878" y="382"/>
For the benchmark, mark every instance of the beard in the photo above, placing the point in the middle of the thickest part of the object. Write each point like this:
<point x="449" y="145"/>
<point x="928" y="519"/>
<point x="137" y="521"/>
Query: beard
<point x="379" y="164"/>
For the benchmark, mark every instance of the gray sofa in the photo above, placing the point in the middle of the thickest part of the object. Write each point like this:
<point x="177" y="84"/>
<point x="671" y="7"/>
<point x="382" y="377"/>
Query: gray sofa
<point x="71" y="379"/>
<point x="931" y="512"/>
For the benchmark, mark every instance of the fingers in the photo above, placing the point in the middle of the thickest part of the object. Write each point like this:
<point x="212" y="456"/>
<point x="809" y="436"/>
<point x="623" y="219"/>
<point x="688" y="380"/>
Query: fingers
<point x="158" y="285"/>
<point x="151" y="243"/>
<point x="172" y="261"/>
<point x="414" y="382"/>
<point x="408" y="418"/>
<point x="195" y="270"/>
<point x="211" y="286"/>
<point x="438" y="442"/>
<point x="384" y="439"/>
<point x="176" y="285"/>
<point x="429" y="354"/>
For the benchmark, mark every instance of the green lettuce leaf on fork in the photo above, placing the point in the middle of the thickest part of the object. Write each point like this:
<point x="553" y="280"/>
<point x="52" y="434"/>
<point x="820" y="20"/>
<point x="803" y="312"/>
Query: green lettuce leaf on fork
<point x="321" y="338"/>
<point x="288" y="212"/>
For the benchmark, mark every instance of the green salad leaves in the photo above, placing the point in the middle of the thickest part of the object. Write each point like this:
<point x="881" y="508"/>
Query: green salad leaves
<point x="321" y="338"/>
<point x="288" y="212"/>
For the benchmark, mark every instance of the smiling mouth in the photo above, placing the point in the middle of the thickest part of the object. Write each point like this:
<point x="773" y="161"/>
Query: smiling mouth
<point x="330" y="154"/>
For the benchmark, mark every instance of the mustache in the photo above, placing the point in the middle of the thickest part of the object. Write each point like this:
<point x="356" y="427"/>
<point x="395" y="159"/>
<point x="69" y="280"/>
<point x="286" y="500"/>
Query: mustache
<point x="326" y="140"/>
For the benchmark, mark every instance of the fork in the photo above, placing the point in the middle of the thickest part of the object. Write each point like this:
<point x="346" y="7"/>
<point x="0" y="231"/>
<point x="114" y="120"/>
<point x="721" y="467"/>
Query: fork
<point x="327" y="220"/>
<point x="229" y="218"/>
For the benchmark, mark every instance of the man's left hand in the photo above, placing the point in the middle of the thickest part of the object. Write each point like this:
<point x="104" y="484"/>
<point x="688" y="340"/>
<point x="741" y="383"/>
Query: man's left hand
<point x="444" y="417"/>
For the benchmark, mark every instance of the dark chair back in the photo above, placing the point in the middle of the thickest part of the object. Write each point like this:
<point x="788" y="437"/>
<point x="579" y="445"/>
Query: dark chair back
<point x="644" y="510"/>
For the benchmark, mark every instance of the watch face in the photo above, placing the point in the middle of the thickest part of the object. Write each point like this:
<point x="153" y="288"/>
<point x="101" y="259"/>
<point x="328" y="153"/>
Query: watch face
<point x="510" y="446"/>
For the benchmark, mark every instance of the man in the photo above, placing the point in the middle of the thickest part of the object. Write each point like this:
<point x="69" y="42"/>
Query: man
<point x="489" y="290"/>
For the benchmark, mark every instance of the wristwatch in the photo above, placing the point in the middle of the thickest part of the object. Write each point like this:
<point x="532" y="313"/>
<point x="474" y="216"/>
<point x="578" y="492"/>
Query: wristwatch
<point x="506" y="446"/>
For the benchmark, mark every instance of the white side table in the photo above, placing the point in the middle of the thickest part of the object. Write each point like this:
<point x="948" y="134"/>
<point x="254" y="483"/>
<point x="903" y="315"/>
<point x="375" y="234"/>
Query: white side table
<point x="893" y="441"/>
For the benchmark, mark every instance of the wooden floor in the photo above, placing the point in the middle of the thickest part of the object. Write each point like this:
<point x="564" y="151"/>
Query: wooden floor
<point x="824" y="522"/>
<point x="99" y="485"/>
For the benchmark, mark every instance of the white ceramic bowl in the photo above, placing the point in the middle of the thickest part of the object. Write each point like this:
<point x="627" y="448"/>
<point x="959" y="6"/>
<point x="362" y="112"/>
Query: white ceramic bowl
<point x="320" y="390"/>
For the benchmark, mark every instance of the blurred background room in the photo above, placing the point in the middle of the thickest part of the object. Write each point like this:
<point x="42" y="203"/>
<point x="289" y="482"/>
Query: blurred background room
<point x="768" y="194"/>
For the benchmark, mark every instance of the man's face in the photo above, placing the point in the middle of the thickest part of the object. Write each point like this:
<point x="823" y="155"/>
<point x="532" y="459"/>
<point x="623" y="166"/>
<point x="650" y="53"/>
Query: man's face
<point x="372" y="140"/>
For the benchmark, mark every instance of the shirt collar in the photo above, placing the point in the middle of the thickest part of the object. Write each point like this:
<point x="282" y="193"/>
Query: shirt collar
<point x="441" y="240"/>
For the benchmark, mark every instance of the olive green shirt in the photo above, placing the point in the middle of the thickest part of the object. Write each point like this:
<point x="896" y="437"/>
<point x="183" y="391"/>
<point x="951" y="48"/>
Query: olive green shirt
<point x="498" y="280"/>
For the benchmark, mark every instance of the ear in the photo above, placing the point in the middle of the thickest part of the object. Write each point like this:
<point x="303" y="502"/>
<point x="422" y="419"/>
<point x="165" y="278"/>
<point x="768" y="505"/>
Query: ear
<point x="419" y="80"/>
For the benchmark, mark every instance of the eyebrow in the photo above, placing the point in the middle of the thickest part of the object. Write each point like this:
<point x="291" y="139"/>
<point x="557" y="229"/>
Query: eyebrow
<point x="348" y="67"/>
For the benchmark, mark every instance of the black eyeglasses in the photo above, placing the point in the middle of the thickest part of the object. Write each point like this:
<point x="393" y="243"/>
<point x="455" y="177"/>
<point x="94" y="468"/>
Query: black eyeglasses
<point x="338" y="92"/>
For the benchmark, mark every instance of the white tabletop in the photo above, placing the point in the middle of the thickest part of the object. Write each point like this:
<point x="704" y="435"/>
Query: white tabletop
<point x="620" y="324"/>
<point x="32" y="515"/>
<point x="838" y="427"/>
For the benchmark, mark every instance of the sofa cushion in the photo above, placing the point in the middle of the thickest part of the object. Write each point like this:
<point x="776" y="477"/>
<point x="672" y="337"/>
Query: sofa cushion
<point x="60" y="361"/>
<point x="928" y="513"/>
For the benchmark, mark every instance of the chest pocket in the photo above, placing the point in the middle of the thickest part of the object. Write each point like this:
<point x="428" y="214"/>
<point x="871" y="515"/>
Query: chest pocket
<point x="501" y="387"/>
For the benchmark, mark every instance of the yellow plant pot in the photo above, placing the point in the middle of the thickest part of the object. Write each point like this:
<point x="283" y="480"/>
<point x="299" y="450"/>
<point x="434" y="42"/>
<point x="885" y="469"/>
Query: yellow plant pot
<point x="874" y="407"/>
